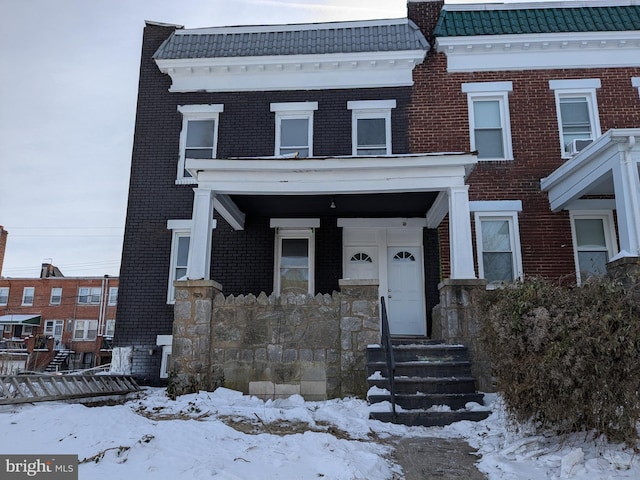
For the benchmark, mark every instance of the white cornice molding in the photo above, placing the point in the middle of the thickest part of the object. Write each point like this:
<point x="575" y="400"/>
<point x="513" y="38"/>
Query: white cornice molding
<point x="540" y="51"/>
<point x="293" y="72"/>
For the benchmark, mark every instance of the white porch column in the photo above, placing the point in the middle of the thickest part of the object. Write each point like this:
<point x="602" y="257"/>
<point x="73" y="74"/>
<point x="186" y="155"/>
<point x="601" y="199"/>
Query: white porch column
<point x="199" y="262"/>
<point x="460" y="240"/>
<point x="627" y="192"/>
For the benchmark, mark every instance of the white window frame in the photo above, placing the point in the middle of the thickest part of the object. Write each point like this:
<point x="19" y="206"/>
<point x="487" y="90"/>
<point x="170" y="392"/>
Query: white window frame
<point x="499" y="210"/>
<point x="113" y="296"/>
<point x="365" y="109"/>
<point x="608" y="225"/>
<point x="577" y="88"/>
<point x="26" y="296"/>
<point x="294" y="229"/>
<point x="90" y="293"/>
<point x="4" y="295"/>
<point x="176" y="235"/>
<point x="56" y="299"/>
<point x="8" y="328"/>
<point x="27" y="330"/>
<point x="190" y="113"/>
<point x="491" y="91"/>
<point x="85" y="330"/>
<point x="293" y="111"/>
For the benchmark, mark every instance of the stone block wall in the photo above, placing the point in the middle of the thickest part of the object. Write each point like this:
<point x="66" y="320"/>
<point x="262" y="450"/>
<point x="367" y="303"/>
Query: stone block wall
<point x="272" y="346"/>
<point x="456" y="320"/>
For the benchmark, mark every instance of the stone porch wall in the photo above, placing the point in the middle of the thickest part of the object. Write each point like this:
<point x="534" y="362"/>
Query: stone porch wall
<point x="272" y="346"/>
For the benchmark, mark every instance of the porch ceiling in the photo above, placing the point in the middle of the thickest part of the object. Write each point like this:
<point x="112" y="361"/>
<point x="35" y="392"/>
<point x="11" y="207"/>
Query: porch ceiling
<point x="372" y="205"/>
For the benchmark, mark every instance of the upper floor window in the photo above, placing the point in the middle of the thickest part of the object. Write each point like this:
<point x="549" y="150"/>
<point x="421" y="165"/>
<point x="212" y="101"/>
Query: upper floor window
<point x="4" y="295"/>
<point x="89" y="295"/>
<point x="294" y="256"/>
<point x="113" y="295"/>
<point x="56" y="296"/>
<point x="199" y="135"/>
<point x="489" y="122"/>
<point x="27" y="296"/>
<point x="371" y="127"/>
<point x="635" y="81"/>
<point x="577" y="111"/>
<point x="85" y="330"/>
<point x="294" y="128"/>
<point x="593" y="241"/>
<point x="498" y="241"/>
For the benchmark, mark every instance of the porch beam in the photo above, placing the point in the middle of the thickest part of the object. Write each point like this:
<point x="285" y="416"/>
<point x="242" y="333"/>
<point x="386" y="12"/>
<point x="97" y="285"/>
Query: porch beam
<point x="461" y="246"/>
<point x="199" y="261"/>
<point x="229" y="211"/>
<point x="438" y="210"/>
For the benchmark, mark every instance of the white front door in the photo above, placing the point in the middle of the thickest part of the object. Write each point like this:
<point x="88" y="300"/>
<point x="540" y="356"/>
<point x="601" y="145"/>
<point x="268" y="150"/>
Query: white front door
<point x="54" y="328"/>
<point x="405" y="298"/>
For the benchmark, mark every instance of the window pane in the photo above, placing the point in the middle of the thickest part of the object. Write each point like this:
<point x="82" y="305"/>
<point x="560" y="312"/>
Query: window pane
<point x="592" y="263"/>
<point x="294" y="132"/>
<point x="183" y="251"/>
<point x="78" y="333"/>
<point x="486" y="114"/>
<point x="200" y="133"/>
<point x="590" y="234"/>
<point x="92" y="330"/>
<point x="294" y="280"/>
<point x="199" y="153"/>
<point x="498" y="267"/>
<point x="574" y="111"/>
<point x="295" y="252"/>
<point x="489" y="143"/>
<point x="372" y="132"/>
<point x="496" y="236"/>
<point x="4" y="296"/>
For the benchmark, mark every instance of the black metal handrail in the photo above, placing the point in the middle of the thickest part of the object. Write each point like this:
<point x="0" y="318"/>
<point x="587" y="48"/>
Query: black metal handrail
<point x="391" y="363"/>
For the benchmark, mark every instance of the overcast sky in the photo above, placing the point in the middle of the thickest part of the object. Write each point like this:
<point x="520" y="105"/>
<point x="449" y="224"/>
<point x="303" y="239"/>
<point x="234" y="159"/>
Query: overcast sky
<point x="67" y="106"/>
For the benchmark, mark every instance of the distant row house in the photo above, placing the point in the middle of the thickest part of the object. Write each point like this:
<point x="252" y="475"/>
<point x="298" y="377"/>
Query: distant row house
<point x="55" y="322"/>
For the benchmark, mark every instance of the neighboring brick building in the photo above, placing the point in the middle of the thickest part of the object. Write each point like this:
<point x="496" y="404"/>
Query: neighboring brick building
<point x="299" y="159"/>
<point x="53" y="314"/>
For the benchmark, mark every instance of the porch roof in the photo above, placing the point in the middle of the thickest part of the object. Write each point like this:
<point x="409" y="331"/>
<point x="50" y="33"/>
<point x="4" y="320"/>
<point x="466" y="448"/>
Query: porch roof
<point x="590" y="172"/>
<point x="333" y="175"/>
<point x="27" y="319"/>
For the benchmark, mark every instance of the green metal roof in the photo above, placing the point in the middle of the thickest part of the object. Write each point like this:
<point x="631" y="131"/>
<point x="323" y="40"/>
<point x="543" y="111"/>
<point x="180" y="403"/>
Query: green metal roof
<point x="456" y="23"/>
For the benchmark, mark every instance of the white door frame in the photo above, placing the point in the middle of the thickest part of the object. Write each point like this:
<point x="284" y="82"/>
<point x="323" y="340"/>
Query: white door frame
<point x="383" y="233"/>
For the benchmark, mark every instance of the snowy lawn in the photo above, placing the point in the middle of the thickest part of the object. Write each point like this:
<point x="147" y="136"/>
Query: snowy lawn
<point x="226" y="435"/>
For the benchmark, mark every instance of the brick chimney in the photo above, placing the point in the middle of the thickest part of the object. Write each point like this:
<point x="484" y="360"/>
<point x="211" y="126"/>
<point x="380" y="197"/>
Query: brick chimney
<point x="425" y="14"/>
<point x="3" y="245"/>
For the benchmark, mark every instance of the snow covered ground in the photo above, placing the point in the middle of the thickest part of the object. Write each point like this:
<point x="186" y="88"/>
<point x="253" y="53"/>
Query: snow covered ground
<point x="225" y="435"/>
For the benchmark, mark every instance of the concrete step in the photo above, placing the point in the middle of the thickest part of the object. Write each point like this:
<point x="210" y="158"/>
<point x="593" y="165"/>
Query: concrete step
<point x="459" y="368"/>
<point x="429" y="419"/>
<point x="455" y="401"/>
<point x="420" y="353"/>
<point x="428" y="385"/>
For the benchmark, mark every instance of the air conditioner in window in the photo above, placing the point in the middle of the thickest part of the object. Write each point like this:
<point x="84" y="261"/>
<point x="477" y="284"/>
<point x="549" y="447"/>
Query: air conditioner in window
<point x="579" y="144"/>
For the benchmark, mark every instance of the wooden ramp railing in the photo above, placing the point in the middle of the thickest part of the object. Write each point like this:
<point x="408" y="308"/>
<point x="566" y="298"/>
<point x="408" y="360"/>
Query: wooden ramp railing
<point x="43" y="388"/>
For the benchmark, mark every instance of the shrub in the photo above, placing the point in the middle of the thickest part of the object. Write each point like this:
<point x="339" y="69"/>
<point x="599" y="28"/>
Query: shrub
<point x="567" y="359"/>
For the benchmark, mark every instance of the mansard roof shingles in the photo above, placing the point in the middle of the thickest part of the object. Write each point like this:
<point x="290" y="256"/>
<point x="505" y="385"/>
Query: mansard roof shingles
<point x="307" y="39"/>
<point x="511" y="21"/>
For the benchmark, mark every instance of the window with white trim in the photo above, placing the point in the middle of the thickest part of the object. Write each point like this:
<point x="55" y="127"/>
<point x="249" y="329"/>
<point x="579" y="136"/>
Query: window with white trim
<point x="489" y="119"/>
<point x="110" y="328"/>
<point x="27" y="296"/>
<point x="593" y="242"/>
<point x="294" y="128"/>
<point x="577" y="111"/>
<point x="89" y="295"/>
<point x="498" y="240"/>
<point x="371" y="127"/>
<point x="85" y="330"/>
<point x="294" y="269"/>
<point x="27" y="330"/>
<point x="180" y="240"/>
<point x="4" y="295"/>
<point x="56" y="296"/>
<point x="199" y="135"/>
<point x="113" y="296"/>
<point x="635" y="81"/>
